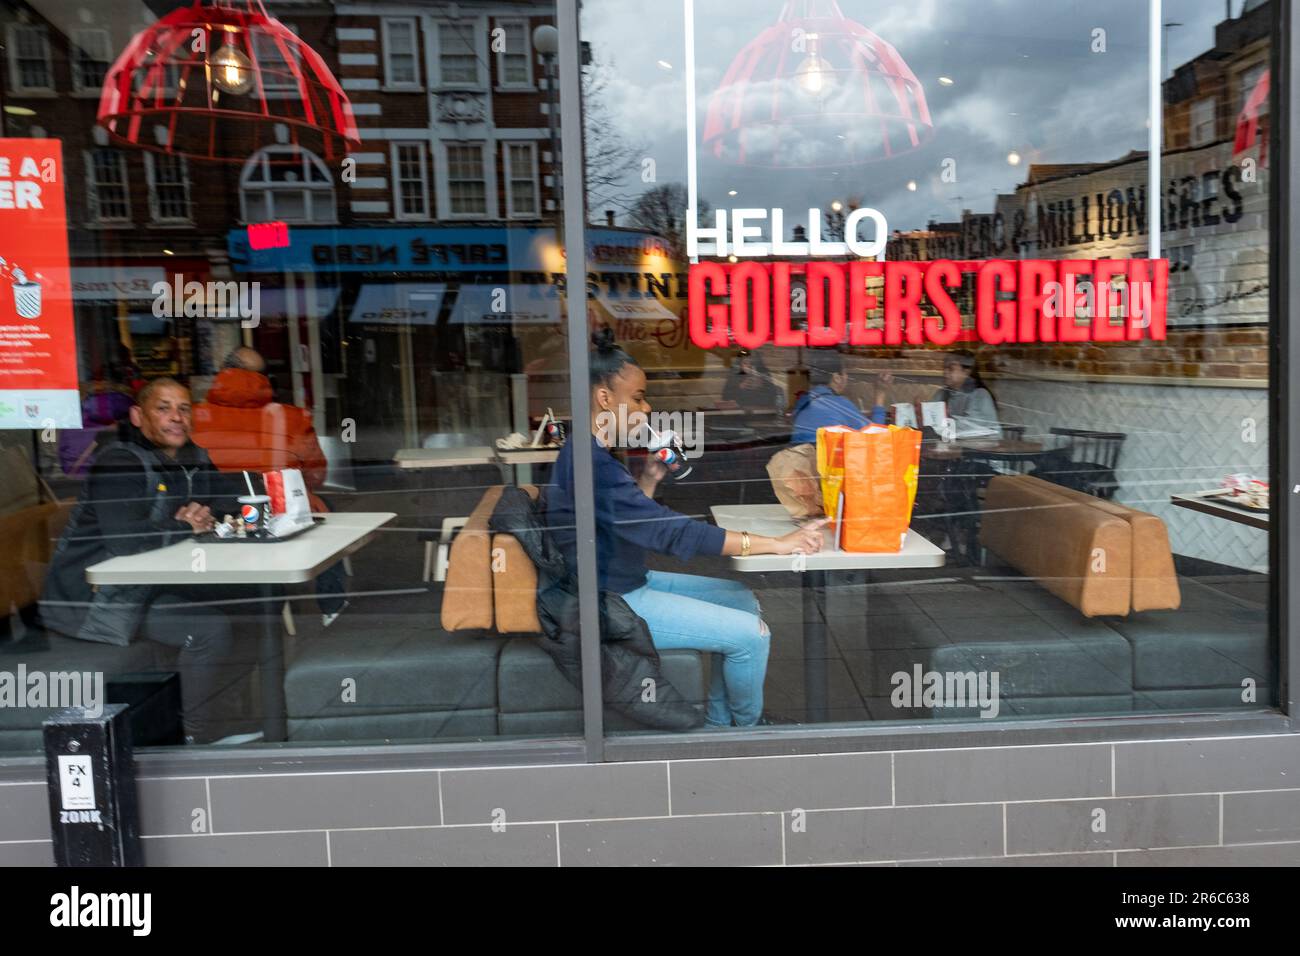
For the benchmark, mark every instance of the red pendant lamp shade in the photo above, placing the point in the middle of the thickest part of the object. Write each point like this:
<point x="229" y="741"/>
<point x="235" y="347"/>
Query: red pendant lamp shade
<point x="1252" y="123"/>
<point x="218" y="81"/>
<point x="816" y="90"/>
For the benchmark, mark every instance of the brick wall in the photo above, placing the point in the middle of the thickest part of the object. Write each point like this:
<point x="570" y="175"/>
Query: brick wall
<point x="1206" y="802"/>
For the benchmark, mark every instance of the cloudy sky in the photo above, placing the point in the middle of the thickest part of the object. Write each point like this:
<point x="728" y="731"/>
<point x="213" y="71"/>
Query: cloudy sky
<point x="1024" y="79"/>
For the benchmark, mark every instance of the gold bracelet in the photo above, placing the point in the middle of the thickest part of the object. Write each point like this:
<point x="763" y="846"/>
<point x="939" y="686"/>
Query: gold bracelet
<point x="744" y="544"/>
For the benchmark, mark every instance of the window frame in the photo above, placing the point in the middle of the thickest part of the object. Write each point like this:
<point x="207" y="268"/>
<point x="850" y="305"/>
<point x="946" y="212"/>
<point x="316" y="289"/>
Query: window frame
<point x="1194" y="124"/>
<point x="93" y="216"/>
<point x="444" y="180"/>
<point x="399" y="213"/>
<point x="16" y="86"/>
<point x="387" y="51"/>
<point x="512" y="213"/>
<point x="530" y="83"/>
<point x="592" y="746"/>
<point x="269" y="188"/>
<point x="75" y="47"/>
<point x="151" y="160"/>
<point x="480" y="82"/>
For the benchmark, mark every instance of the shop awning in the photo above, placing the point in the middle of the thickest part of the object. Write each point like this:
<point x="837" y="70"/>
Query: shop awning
<point x="399" y="303"/>
<point x="518" y="304"/>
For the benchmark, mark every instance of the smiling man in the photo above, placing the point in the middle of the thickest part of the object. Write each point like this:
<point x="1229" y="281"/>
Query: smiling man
<point x="150" y="488"/>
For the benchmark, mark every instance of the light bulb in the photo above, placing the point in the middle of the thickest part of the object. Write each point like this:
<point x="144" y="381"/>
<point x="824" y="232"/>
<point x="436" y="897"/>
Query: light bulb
<point x="231" y="70"/>
<point x="814" y="74"/>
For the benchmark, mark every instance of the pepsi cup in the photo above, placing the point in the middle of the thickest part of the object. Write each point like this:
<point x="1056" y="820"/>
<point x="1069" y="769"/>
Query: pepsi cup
<point x="555" y="432"/>
<point x="254" y="513"/>
<point x="669" y="452"/>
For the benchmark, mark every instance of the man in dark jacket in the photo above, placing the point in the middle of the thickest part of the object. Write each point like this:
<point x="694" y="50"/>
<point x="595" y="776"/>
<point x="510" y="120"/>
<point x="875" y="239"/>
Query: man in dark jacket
<point x="150" y="488"/>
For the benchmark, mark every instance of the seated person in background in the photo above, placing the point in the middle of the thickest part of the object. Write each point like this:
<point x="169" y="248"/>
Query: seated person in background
<point x="969" y="400"/>
<point x="750" y="385"/>
<point x="244" y="430"/>
<point x="151" y="487"/>
<point x="681" y="610"/>
<point x="825" y="404"/>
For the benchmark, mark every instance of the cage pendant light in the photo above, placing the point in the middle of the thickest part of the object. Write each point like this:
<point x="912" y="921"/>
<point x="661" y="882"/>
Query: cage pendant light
<point x="218" y="81"/>
<point x="816" y="90"/>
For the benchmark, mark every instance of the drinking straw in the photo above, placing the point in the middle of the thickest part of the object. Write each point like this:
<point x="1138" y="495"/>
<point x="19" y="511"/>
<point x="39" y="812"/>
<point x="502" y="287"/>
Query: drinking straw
<point x="249" y="481"/>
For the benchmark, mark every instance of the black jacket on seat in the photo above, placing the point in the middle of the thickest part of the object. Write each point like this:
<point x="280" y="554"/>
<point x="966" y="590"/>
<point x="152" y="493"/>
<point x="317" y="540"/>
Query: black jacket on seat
<point x="628" y="658"/>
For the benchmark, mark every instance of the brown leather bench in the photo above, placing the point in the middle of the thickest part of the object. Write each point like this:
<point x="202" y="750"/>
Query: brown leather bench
<point x="1101" y="557"/>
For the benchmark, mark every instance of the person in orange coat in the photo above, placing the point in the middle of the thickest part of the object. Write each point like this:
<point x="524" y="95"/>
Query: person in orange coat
<point x="242" y="429"/>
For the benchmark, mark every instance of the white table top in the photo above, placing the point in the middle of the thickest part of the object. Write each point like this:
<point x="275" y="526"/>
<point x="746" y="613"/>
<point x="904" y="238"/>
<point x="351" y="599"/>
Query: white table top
<point x="445" y="457"/>
<point x="293" y="561"/>
<point x="471" y="455"/>
<point x="773" y="521"/>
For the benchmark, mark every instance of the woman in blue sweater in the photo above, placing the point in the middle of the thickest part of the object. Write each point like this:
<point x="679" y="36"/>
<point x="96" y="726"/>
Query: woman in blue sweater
<point x="711" y="615"/>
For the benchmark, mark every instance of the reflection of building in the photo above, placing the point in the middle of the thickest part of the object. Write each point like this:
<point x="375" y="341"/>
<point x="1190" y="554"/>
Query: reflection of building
<point x="453" y="119"/>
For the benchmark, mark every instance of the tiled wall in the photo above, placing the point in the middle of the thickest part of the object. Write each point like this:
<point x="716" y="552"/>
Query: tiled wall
<point x="1181" y="802"/>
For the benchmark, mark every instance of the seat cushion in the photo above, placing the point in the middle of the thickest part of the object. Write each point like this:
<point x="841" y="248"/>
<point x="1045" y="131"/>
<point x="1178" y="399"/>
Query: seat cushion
<point x="55" y="653"/>
<point x="1039" y="658"/>
<point x="405" y="668"/>
<point x="379" y="728"/>
<point x="1212" y="648"/>
<point x="530" y="683"/>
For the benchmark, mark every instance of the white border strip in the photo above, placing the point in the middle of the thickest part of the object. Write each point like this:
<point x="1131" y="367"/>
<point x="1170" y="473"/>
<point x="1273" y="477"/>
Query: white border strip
<point x="692" y="187"/>
<point x="1155" y="110"/>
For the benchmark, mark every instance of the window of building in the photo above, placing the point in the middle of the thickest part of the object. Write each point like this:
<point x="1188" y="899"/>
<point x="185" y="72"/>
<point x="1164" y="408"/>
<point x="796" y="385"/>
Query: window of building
<point x="514" y="59"/>
<point x="458" y="58"/>
<point x="286" y="184"/>
<point x="30" y="68"/>
<point x="1249" y="80"/>
<point x="521" y="180"/>
<point x="92" y="54"/>
<point x="1202" y="122"/>
<point x="401" y="52"/>
<point x="169" y="187"/>
<point x="466" y="180"/>
<point x="410" y="181"/>
<point x="278" y="73"/>
<point x="107" y="195"/>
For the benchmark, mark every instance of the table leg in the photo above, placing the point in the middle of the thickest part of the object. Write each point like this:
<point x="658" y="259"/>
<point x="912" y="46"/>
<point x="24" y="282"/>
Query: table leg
<point x="271" y="660"/>
<point x="814" y="647"/>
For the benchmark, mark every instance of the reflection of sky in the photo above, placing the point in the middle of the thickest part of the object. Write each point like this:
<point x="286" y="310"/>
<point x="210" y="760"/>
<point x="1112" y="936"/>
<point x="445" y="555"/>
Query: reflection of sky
<point x="1024" y="80"/>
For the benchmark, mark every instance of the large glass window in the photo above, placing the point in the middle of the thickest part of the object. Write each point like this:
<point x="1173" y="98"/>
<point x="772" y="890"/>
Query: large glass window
<point x="260" y="267"/>
<point x="935" y="223"/>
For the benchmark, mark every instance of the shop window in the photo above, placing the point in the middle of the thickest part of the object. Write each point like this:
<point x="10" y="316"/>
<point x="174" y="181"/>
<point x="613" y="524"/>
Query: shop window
<point x="410" y="181"/>
<point x="92" y="54"/>
<point x="107" y="194"/>
<point x="30" y="68"/>
<point x="466" y="180"/>
<point x="1203" y="122"/>
<point x="458" y="58"/>
<point x="514" y="59"/>
<point x="521" y="180"/>
<point x="401" y="56"/>
<point x="169" y="187"/>
<point x="286" y="184"/>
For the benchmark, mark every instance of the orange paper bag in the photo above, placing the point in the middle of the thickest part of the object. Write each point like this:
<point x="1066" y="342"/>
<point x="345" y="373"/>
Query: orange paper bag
<point x="880" y="468"/>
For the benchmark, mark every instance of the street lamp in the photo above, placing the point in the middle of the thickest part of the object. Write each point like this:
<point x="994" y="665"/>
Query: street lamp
<point x="546" y="41"/>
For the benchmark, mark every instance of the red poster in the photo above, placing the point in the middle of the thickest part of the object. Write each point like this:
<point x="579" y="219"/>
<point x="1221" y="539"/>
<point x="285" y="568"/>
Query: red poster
<point x="38" y="348"/>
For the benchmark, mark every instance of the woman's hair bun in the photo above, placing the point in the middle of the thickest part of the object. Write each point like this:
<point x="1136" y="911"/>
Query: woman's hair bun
<point x="603" y="338"/>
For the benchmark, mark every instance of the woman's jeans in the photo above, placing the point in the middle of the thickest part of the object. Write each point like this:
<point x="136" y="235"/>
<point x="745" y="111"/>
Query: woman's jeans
<point x="719" y="617"/>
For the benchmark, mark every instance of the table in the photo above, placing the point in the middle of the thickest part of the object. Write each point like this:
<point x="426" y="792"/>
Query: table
<point x="423" y="458"/>
<point x="1207" y="502"/>
<point x="773" y="521"/>
<point x="263" y="566"/>
<point x="996" y="449"/>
